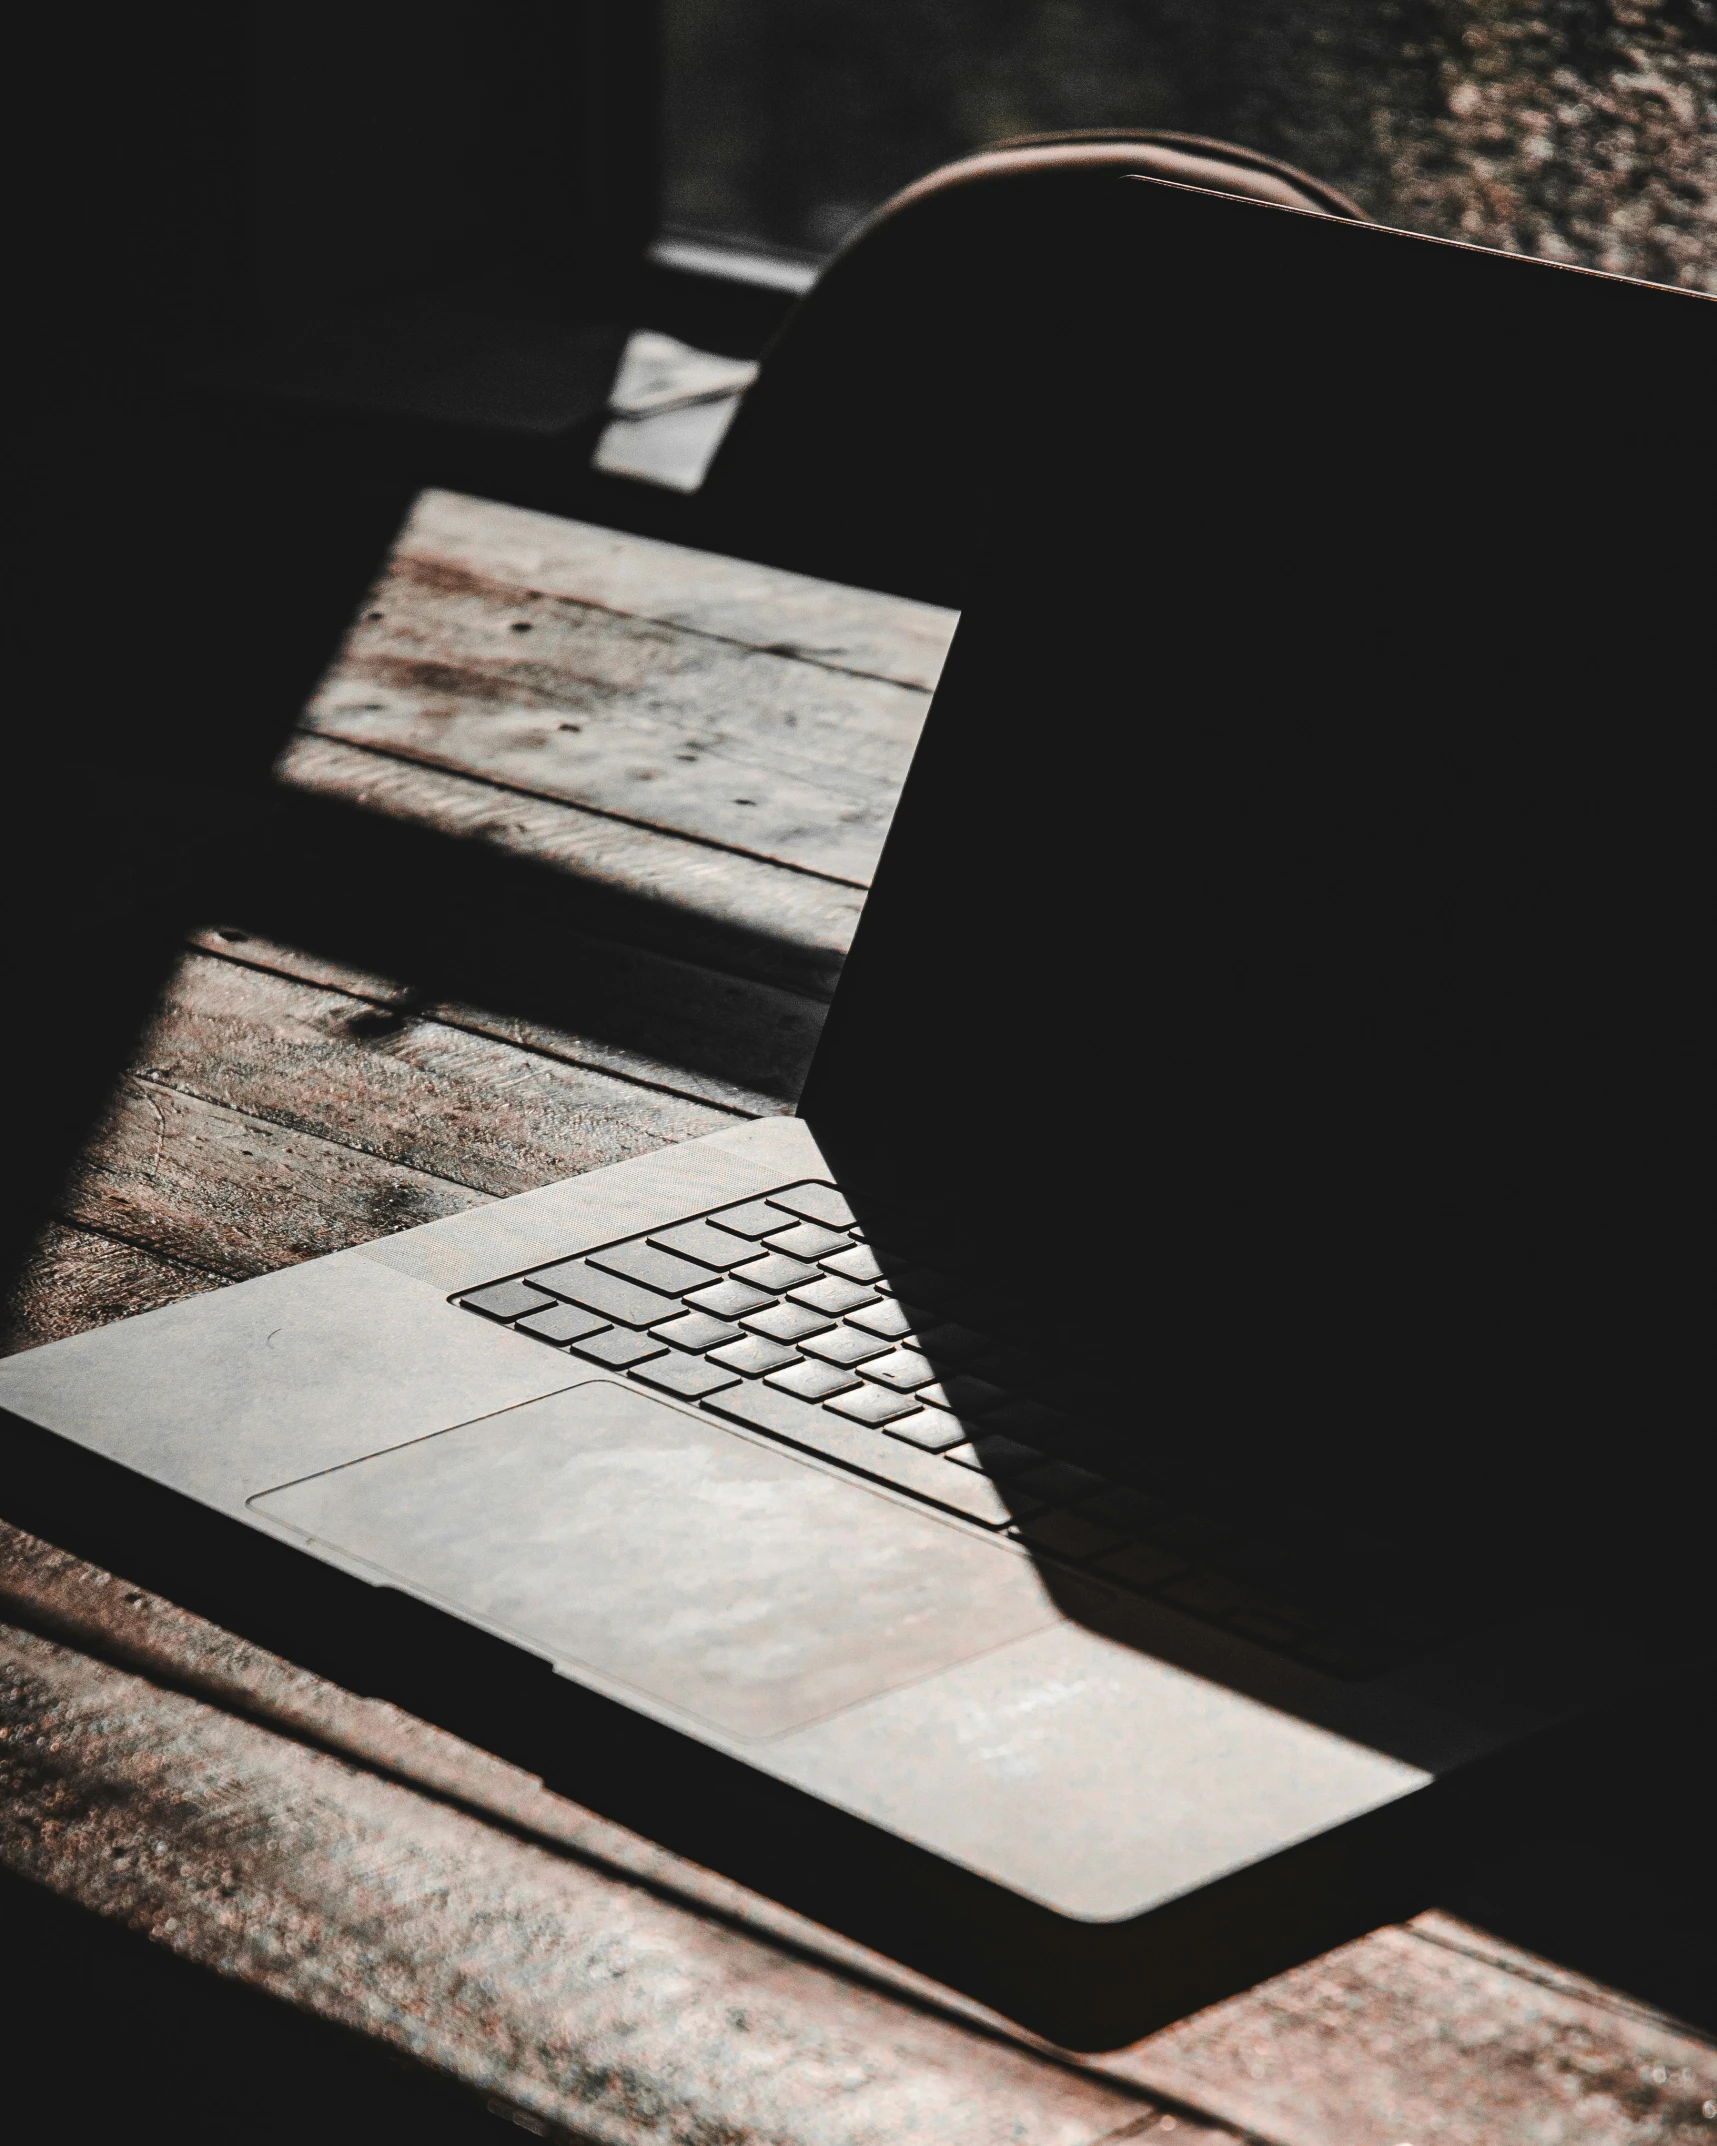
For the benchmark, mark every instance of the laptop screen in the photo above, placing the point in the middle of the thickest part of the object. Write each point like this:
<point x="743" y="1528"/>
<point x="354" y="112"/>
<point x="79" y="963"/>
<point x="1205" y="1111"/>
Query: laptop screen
<point x="1280" y="979"/>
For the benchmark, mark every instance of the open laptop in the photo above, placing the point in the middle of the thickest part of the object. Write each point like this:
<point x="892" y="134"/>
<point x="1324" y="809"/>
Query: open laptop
<point x="1109" y="1498"/>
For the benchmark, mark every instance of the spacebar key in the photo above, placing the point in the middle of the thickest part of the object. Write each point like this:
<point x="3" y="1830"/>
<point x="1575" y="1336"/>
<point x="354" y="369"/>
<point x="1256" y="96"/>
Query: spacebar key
<point x="867" y="1452"/>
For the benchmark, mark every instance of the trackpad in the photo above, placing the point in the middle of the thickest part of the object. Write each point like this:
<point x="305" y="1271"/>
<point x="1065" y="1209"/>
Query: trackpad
<point x="705" y="1569"/>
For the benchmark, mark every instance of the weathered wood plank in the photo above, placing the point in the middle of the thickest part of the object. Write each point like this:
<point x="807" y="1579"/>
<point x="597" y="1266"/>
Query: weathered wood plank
<point x="655" y="652"/>
<point x="235" y="1195"/>
<point x="759" y="752"/>
<point x="441" y="1102"/>
<point x="737" y="914"/>
<point x="1435" y="2033"/>
<point x="588" y="2003"/>
<point x="75" y="1279"/>
<point x="763" y="607"/>
<point x="653" y="1019"/>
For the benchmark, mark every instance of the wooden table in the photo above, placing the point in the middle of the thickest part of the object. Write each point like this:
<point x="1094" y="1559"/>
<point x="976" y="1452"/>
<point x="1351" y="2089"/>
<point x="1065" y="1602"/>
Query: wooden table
<point x="561" y="867"/>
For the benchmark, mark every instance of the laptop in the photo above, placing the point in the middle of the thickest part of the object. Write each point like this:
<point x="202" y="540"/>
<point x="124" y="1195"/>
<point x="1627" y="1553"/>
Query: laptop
<point x="1118" y="1493"/>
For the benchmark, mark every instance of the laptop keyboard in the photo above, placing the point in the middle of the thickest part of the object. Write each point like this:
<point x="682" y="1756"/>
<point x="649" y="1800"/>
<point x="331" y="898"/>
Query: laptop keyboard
<point x="784" y="1315"/>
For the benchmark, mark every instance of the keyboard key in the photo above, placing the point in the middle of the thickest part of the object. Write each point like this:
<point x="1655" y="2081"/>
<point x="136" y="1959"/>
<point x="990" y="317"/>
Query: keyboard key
<point x="844" y="1345"/>
<point x="900" y="1369"/>
<point x="1059" y="1482"/>
<point x="814" y="1203"/>
<point x="814" y="1382"/>
<point x="753" y="1355"/>
<point x="969" y="1396"/>
<point x="1127" y="1511"/>
<point x="1003" y="1456"/>
<point x="1015" y="1369"/>
<point x="834" y="1296"/>
<point x="685" y="1376"/>
<point x="927" y="1430"/>
<point x="872" y="1405"/>
<point x="1070" y="1535"/>
<point x="854" y="1446"/>
<point x="642" y="1262"/>
<point x="775" y="1272"/>
<point x="622" y="1301"/>
<point x="922" y="1285"/>
<point x="808" y="1240"/>
<point x="560" y="1324"/>
<point x="702" y="1241"/>
<point x="618" y="1348"/>
<point x="952" y="1345"/>
<point x="697" y="1331"/>
<point x="787" y="1322"/>
<point x="507" y="1300"/>
<point x="1143" y="1565"/>
<point x="887" y="1318"/>
<point x="1031" y="1421"/>
<point x="729" y="1299"/>
<point x="1022" y="1506"/>
<point x="756" y="1218"/>
<point x="859" y="1265"/>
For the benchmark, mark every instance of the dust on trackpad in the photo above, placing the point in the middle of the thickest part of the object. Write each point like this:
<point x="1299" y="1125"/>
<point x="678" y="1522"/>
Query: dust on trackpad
<point x="704" y="1569"/>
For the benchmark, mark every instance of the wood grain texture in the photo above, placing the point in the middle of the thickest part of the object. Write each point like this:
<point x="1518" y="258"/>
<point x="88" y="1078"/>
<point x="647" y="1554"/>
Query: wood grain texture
<point x="743" y="742"/>
<point x="751" y="751"/>
<point x="668" y="1024"/>
<point x="591" y="769"/>
<point x="272" y="1118"/>
<point x="592" y="2004"/>
<point x="1437" y="2033"/>
<point x="856" y="630"/>
<point x="63" y="1598"/>
<point x="741" y="915"/>
<point x="439" y="1101"/>
<point x="75" y="1279"/>
<point x="236" y="1195"/>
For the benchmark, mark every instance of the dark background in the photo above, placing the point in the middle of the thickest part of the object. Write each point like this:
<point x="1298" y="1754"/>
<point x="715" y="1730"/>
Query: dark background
<point x="1577" y="129"/>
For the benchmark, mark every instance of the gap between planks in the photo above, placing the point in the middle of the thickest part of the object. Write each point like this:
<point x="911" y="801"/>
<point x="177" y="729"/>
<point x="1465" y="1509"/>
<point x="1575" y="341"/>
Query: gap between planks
<point x="863" y="631"/>
<point x="780" y="1027"/>
<point x="444" y="1103"/>
<point x="628" y="719"/>
<point x="715" y="908"/>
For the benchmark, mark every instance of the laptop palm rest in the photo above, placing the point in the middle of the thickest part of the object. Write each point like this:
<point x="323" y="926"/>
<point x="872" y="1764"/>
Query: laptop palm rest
<point x="704" y="1569"/>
